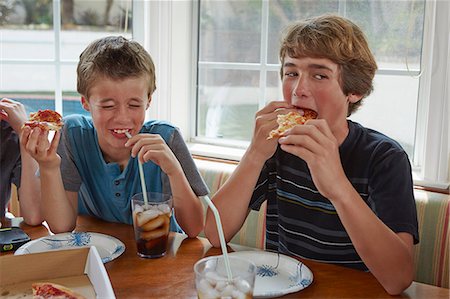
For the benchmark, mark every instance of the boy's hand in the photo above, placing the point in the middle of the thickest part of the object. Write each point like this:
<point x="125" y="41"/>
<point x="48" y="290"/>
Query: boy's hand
<point x="35" y="142"/>
<point x="315" y="143"/>
<point x="265" y="121"/>
<point x="14" y="113"/>
<point x="152" y="147"/>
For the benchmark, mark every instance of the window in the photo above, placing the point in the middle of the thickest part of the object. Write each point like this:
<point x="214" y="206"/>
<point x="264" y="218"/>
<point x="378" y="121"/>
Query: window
<point x="216" y="64"/>
<point x="41" y="42"/>
<point x="238" y="68"/>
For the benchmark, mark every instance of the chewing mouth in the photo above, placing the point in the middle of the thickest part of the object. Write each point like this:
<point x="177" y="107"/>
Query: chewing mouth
<point x="305" y="110"/>
<point x="121" y="131"/>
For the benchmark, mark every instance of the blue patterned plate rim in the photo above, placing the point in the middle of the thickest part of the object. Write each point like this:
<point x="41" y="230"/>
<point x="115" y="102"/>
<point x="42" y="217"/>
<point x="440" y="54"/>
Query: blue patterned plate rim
<point x="277" y="274"/>
<point x="107" y="246"/>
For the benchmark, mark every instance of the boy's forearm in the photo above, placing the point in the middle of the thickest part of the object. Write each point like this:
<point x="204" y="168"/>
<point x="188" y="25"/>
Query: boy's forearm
<point x="188" y="208"/>
<point x="233" y="198"/>
<point x="387" y="255"/>
<point x="56" y="207"/>
<point x="29" y="191"/>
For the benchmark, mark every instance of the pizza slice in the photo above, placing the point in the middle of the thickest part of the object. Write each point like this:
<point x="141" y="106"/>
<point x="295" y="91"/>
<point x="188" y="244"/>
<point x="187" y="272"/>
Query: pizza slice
<point x="45" y="119"/>
<point x="47" y="290"/>
<point x="291" y="119"/>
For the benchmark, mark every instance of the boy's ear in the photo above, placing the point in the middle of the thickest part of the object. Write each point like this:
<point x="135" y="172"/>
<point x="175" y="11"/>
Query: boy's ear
<point x="354" y="98"/>
<point x="148" y="102"/>
<point x="85" y="104"/>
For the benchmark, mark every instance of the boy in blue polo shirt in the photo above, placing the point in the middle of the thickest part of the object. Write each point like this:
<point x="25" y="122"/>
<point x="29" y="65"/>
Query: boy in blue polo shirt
<point x="94" y="169"/>
<point x="336" y="192"/>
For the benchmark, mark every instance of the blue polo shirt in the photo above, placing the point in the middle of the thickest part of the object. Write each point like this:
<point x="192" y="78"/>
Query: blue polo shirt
<point x="103" y="189"/>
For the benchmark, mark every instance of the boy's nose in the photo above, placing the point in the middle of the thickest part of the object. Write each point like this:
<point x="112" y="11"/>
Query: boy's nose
<point x="122" y="113"/>
<point x="300" y="91"/>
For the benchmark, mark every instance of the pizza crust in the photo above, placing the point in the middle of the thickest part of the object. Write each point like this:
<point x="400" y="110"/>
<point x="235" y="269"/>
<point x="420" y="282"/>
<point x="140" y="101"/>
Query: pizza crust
<point x="289" y="120"/>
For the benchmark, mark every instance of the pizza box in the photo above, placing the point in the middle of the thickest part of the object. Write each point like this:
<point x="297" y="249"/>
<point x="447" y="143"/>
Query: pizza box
<point x="79" y="269"/>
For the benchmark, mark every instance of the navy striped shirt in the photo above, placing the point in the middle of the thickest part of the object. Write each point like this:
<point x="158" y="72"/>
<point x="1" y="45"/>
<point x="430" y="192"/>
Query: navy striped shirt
<point x="303" y="223"/>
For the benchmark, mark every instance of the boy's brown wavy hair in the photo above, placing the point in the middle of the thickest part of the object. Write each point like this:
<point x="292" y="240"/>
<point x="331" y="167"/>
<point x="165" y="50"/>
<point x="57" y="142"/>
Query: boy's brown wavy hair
<point x="114" y="57"/>
<point x="339" y="40"/>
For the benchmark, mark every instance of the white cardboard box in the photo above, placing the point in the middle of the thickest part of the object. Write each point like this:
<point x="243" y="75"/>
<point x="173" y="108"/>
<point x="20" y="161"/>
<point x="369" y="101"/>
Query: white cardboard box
<point x="80" y="269"/>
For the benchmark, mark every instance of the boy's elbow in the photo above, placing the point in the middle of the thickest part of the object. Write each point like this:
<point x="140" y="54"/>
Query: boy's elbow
<point x="396" y="287"/>
<point x="211" y="235"/>
<point x="193" y="233"/>
<point x="213" y="239"/>
<point x="33" y="220"/>
<point x="57" y="229"/>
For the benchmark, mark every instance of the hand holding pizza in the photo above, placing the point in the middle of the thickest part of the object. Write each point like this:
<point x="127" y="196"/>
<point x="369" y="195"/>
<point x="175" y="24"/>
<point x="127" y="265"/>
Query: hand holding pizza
<point x="261" y="147"/>
<point x="34" y="137"/>
<point x="36" y="143"/>
<point x="316" y="144"/>
<point x="152" y="147"/>
<point x="13" y="112"/>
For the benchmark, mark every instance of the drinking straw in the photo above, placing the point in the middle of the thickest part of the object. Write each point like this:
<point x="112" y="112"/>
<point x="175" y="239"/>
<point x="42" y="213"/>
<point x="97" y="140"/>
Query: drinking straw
<point x="223" y="245"/>
<point x="141" y="174"/>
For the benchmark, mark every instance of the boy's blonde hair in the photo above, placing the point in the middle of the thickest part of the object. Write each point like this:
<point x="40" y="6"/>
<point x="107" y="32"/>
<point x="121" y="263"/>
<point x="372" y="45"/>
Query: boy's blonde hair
<point x="339" y="40"/>
<point x="114" y="57"/>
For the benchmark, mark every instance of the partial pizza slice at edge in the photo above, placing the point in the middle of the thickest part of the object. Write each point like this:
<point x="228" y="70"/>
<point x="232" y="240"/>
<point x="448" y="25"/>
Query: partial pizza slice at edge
<point x="44" y="290"/>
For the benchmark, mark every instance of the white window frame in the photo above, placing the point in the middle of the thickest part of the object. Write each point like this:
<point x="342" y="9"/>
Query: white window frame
<point x="57" y="62"/>
<point x="176" y="61"/>
<point x="168" y="30"/>
<point x="432" y="149"/>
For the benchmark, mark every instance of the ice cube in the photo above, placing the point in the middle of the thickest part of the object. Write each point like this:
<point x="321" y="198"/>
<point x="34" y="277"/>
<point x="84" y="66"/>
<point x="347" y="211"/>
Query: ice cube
<point x="151" y="213"/>
<point x="211" y="294"/>
<point x="242" y="285"/>
<point x="238" y="294"/>
<point x="146" y="216"/>
<point x="206" y="289"/>
<point x="164" y="208"/>
<point x="227" y="291"/>
<point x="220" y="285"/>
<point x="204" y="285"/>
<point x="213" y="277"/>
<point x="138" y="209"/>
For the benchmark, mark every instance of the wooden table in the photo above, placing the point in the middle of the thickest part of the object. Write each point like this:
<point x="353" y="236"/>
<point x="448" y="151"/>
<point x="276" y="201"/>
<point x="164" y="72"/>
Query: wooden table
<point x="172" y="276"/>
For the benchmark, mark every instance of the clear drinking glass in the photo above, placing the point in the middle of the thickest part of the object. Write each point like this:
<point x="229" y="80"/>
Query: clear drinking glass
<point x="151" y="223"/>
<point x="211" y="280"/>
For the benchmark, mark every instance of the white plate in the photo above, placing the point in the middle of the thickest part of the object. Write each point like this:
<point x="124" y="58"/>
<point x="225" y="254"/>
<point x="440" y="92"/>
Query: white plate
<point x="271" y="280"/>
<point x="107" y="246"/>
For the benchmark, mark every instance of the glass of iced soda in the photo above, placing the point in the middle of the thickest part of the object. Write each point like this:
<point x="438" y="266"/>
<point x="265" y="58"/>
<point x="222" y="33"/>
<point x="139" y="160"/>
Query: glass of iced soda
<point x="211" y="278"/>
<point x="151" y="223"/>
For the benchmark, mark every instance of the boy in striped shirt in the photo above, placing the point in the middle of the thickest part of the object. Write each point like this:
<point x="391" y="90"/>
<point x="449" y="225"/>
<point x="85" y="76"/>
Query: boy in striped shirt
<point x="336" y="192"/>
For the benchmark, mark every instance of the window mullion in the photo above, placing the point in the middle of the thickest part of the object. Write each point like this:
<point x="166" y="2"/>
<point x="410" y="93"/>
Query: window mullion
<point x="263" y="53"/>
<point x="57" y="58"/>
<point x="141" y="23"/>
<point x="342" y="7"/>
<point x="195" y="64"/>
